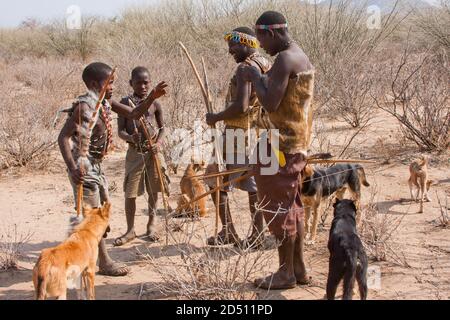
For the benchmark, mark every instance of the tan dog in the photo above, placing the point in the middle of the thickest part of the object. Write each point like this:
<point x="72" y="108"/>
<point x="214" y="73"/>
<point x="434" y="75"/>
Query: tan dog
<point x="419" y="179"/>
<point x="72" y="264"/>
<point x="190" y="189"/>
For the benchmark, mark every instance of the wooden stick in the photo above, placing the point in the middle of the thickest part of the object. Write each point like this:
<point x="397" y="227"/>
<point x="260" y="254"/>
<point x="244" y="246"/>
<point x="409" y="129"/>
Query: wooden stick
<point x="206" y="97"/>
<point x="80" y="197"/>
<point x="331" y="161"/>
<point x="246" y="169"/>
<point x="197" y="75"/>
<point x="310" y="161"/>
<point x="220" y="174"/>
<point x="208" y="92"/>
<point x="91" y="126"/>
<point x="216" y="228"/>
<point x="159" y="170"/>
<point x="210" y="110"/>
<point x="161" y="177"/>
<point x="215" y="190"/>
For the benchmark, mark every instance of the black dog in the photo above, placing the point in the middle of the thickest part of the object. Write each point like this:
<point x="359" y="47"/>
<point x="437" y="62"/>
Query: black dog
<point x="348" y="259"/>
<point x="320" y="183"/>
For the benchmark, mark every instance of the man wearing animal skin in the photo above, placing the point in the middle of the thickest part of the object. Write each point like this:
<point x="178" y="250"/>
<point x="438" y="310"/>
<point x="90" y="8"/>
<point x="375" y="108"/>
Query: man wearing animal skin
<point x="285" y="94"/>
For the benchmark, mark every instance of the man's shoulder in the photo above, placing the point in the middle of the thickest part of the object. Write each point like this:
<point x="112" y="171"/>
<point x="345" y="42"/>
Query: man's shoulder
<point x="89" y="99"/>
<point x="256" y="60"/>
<point x="157" y="105"/>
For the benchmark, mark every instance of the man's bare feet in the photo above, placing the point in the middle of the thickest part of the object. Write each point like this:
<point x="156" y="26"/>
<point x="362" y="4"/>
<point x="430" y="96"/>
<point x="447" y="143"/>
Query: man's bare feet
<point x="114" y="269"/>
<point x="277" y="281"/>
<point x="130" y="236"/>
<point x="223" y="239"/>
<point x="150" y="236"/>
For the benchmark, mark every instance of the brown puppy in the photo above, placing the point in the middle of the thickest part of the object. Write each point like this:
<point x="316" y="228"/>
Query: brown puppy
<point x="72" y="263"/>
<point x="419" y="179"/>
<point x="190" y="189"/>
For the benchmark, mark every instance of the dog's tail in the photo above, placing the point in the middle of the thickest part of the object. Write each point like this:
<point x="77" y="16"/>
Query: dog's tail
<point x="362" y="176"/>
<point x="40" y="275"/>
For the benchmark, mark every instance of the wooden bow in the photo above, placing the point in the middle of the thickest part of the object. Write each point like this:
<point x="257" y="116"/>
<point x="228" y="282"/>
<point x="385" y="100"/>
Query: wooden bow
<point x="207" y="97"/>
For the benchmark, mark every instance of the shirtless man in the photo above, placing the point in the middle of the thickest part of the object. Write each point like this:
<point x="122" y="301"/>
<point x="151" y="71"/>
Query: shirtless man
<point x="286" y="95"/>
<point x="95" y="185"/>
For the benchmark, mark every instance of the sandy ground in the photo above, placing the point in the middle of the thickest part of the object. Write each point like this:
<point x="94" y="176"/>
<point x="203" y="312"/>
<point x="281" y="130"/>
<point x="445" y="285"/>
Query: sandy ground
<point x="41" y="204"/>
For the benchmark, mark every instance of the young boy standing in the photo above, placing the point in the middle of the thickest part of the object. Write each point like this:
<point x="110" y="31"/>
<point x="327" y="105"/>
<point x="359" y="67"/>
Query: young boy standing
<point x="75" y="133"/>
<point x="140" y="168"/>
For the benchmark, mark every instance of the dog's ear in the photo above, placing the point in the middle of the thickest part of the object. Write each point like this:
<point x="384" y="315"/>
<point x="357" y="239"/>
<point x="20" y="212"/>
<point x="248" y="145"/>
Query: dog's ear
<point x="425" y="159"/>
<point x="336" y="202"/>
<point x="308" y="171"/>
<point x="106" y="209"/>
<point x="197" y="167"/>
<point x="354" y="206"/>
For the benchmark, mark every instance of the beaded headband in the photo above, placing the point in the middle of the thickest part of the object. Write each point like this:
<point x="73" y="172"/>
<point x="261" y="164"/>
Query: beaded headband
<point x="271" y="26"/>
<point x="242" y="38"/>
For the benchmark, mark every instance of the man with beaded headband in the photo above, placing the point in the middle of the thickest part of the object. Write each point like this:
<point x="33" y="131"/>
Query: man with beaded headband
<point x="239" y="115"/>
<point x="285" y="94"/>
<point x="74" y="141"/>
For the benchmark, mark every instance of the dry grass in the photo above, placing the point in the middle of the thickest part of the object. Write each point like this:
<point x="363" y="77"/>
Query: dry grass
<point x="205" y="273"/>
<point x="33" y="91"/>
<point x="377" y="231"/>
<point x="43" y="63"/>
<point x="11" y="243"/>
<point x="418" y="97"/>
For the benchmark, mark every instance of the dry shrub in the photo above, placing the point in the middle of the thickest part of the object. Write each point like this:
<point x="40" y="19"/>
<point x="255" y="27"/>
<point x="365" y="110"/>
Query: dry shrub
<point x="202" y="273"/>
<point x="18" y="43"/>
<point x="33" y="93"/>
<point x="434" y="24"/>
<point x="351" y="101"/>
<point x="11" y="244"/>
<point x="334" y="36"/>
<point x="419" y="98"/>
<point x="64" y="42"/>
<point x="39" y="41"/>
<point x="26" y="134"/>
<point x="341" y="46"/>
<point x="385" y="151"/>
<point x="377" y="230"/>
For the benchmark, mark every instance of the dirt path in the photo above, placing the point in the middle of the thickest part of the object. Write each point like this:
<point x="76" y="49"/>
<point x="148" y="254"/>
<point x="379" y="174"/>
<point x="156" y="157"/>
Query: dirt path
<point x="40" y="205"/>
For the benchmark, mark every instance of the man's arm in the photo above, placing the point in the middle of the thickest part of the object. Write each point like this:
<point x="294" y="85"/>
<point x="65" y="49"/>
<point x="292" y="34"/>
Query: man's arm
<point x="159" y="116"/>
<point x="139" y="111"/>
<point x="70" y="128"/>
<point x="122" y="131"/>
<point x="237" y="107"/>
<point x="270" y="95"/>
